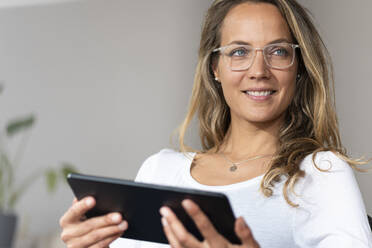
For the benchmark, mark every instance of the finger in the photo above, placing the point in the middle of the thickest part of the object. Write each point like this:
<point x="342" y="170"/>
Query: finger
<point x="172" y="240"/>
<point x="245" y="234"/>
<point x="74" y="201"/>
<point x="106" y="242"/>
<point x="92" y="224"/>
<point x="204" y="225"/>
<point x="184" y="238"/>
<point x="77" y="211"/>
<point x="96" y="236"/>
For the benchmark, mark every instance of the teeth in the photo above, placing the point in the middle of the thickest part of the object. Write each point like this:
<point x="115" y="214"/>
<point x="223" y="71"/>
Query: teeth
<point x="258" y="93"/>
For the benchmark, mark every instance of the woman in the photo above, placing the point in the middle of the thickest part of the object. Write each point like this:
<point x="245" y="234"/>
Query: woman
<point x="263" y="94"/>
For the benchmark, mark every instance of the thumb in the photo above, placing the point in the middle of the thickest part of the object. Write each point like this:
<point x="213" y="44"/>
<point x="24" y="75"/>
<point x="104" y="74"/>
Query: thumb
<point x="245" y="234"/>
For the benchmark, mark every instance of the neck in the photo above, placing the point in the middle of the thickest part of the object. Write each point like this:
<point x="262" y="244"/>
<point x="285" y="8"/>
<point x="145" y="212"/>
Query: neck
<point x="245" y="139"/>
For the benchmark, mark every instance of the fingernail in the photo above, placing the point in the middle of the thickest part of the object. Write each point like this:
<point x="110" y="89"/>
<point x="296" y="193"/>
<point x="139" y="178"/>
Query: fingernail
<point x="186" y="204"/>
<point x="164" y="212"/>
<point x="164" y="222"/>
<point x="123" y="225"/>
<point x="89" y="202"/>
<point x="115" y="217"/>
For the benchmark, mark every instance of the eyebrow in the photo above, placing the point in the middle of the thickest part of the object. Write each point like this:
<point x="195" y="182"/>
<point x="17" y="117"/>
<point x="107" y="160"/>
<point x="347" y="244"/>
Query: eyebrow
<point x="240" y="42"/>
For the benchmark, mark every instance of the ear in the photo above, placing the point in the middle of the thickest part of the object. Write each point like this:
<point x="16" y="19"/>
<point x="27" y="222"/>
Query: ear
<point x="215" y="71"/>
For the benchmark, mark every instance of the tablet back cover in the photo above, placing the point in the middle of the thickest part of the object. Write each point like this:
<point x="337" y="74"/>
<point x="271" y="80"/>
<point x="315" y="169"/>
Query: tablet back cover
<point x="139" y="204"/>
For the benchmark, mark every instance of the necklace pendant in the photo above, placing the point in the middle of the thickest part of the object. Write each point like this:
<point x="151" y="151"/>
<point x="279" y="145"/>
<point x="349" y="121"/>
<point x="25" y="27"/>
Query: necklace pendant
<point x="233" y="168"/>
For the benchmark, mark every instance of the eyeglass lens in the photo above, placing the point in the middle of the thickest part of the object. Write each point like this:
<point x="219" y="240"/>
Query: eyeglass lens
<point x="276" y="56"/>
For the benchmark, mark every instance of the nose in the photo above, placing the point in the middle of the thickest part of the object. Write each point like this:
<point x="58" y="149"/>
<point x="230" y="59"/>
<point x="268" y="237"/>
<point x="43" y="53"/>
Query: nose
<point x="258" y="69"/>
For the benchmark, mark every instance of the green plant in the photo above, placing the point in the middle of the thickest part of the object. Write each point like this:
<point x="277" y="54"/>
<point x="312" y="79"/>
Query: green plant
<point x="9" y="192"/>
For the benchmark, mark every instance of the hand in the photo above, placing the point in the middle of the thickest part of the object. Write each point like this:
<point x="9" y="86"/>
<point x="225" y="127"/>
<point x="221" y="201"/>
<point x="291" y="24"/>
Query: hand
<point x="178" y="236"/>
<point x="97" y="232"/>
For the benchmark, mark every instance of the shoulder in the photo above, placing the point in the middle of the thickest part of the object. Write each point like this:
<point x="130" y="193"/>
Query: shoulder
<point x="326" y="176"/>
<point x="325" y="163"/>
<point x="330" y="204"/>
<point x="165" y="157"/>
<point x="162" y="164"/>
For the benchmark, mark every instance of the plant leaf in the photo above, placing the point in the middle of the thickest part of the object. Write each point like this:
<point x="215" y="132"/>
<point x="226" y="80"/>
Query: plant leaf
<point x="66" y="169"/>
<point x="51" y="179"/>
<point x="6" y="178"/>
<point x="20" y="124"/>
<point x="2" y="200"/>
<point x="14" y="198"/>
<point x="7" y="170"/>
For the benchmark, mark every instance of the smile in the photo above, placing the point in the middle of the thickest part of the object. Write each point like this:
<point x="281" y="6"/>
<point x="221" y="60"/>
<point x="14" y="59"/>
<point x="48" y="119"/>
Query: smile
<point x="260" y="93"/>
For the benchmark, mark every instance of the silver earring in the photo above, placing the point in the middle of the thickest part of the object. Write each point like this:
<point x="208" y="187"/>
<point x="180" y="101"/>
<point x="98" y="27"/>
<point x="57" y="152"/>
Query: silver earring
<point x="216" y="78"/>
<point x="298" y="76"/>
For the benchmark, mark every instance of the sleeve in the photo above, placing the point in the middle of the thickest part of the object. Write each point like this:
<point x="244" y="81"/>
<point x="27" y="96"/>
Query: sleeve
<point x="147" y="170"/>
<point x="331" y="211"/>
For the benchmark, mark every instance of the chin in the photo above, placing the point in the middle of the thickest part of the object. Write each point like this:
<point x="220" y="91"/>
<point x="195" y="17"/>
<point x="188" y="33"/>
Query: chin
<point x="266" y="119"/>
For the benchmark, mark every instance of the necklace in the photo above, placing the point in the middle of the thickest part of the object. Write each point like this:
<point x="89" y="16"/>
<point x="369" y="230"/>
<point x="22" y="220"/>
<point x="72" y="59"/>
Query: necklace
<point x="234" y="165"/>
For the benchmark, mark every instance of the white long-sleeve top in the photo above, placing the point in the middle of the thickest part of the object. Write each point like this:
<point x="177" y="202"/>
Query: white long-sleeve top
<point x="331" y="211"/>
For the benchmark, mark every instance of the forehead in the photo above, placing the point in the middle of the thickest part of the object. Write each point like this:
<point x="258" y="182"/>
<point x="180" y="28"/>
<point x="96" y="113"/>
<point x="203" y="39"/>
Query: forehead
<point x="254" y="23"/>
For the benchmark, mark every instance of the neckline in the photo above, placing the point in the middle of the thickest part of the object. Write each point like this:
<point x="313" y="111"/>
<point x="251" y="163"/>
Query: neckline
<point x="193" y="181"/>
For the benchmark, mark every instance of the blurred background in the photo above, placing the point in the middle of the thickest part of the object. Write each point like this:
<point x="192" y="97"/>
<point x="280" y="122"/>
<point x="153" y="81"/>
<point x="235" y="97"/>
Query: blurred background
<point x="109" y="80"/>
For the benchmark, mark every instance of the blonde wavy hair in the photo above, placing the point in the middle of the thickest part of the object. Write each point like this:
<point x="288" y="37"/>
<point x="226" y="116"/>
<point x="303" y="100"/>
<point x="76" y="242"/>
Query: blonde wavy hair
<point x="310" y="124"/>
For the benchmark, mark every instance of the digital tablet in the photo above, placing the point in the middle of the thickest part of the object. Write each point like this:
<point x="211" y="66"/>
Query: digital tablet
<point x="139" y="204"/>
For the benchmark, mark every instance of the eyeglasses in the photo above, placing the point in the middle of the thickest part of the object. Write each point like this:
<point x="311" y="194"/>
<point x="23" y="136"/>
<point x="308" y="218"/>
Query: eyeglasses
<point x="241" y="57"/>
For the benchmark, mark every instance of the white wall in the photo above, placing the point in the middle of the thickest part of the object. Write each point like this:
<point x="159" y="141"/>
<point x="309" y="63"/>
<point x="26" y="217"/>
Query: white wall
<point x="108" y="80"/>
<point x="346" y="27"/>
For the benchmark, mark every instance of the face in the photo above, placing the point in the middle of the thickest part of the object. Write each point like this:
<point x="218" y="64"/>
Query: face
<point x="256" y="24"/>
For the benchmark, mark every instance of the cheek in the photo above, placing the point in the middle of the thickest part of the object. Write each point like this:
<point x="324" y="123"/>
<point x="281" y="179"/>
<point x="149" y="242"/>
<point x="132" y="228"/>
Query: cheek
<point x="287" y="82"/>
<point x="231" y="85"/>
<point x="288" y="90"/>
<point x="231" y="78"/>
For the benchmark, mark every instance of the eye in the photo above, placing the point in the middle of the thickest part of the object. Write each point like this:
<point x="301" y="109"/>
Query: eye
<point x="279" y="51"/>
<point x="238" y="52"/>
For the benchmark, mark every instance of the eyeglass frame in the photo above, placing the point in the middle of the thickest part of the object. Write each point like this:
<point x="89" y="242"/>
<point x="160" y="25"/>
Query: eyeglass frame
<point x="294" y="46"/>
